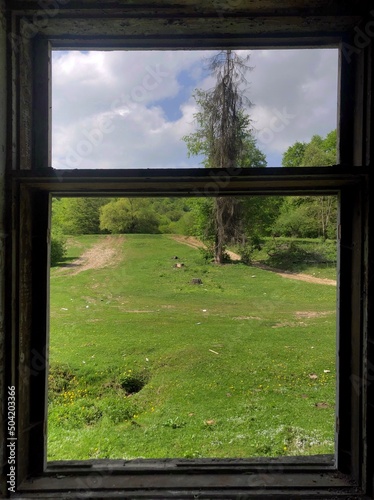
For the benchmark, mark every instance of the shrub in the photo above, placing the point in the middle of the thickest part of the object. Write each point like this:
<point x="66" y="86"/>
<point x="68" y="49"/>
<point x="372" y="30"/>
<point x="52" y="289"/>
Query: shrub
<point x="207" y="253"/>
<point x="246" y="252"/>
<point x="58" y="249"/>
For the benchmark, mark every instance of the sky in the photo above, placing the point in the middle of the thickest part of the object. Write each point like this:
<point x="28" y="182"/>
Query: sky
<point x="130" y="109"/>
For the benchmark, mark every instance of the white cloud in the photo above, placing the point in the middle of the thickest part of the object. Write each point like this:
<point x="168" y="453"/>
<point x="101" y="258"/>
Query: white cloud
<point x="112" y="109"/>
<point x="298" y="84"/>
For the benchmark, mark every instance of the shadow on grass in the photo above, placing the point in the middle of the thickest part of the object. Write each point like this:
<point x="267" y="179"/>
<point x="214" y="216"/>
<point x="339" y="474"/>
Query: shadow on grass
<point x="293" y="257"/>
<point x="66" y="262"/>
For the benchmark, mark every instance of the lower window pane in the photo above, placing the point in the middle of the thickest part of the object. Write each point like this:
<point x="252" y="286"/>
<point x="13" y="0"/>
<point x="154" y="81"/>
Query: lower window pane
<point x="158" y="351"/>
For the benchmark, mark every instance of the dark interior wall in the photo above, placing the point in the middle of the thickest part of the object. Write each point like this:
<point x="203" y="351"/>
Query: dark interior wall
<point x="2" y="215"/>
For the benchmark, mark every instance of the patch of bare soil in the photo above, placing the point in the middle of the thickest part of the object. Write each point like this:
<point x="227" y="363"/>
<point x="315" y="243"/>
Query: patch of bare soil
<point x="105" y="253"/>
<point x="240" y="318"/>
<point x="322" y="405"/>
<point x="136" y="311"/>
<point x="188" y="240"/>
<point x="313" y="314"/>
<point x="295" y="276"/>
<point x="195" y="243"/>
<point x="233" y="256"/>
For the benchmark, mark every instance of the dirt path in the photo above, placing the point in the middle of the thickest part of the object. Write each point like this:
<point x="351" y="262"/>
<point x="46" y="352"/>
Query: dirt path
<point x="188" y="240"/>
<point x="295" y="276"/>
<point x="195" y="243"/>
<point x="106" y="252"/>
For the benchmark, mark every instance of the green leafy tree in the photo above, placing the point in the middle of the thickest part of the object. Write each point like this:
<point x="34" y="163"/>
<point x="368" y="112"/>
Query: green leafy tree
<point x="294" y="155"/>
<point x="320" y="151"/>
<point x="259" y="215"/>
<point x="129" y="215"/>
<point x="77" y="215"/>
<point x="173" y="214"/>
<point x="317" y="152"/>
<point x="310" y="216"/>
<point x="297" y="219"/>
<point x="251" y="156"/>
<point x="202" y="210"/>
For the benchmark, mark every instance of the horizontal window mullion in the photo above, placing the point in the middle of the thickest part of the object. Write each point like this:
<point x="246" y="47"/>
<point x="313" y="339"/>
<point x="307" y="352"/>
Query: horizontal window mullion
<point x="195" y="182"/>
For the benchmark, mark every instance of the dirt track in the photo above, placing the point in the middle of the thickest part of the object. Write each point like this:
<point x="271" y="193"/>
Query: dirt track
<point x="106" y="252"/>
<point x="195" y="243"/>
<point x="296" y="276"/>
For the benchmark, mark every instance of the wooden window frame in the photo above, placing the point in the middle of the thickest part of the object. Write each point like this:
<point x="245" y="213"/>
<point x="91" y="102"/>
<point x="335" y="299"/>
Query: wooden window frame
<point x="32" y="182"/>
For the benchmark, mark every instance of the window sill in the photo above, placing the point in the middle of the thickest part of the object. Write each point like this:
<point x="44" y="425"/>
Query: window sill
<point x="290" y="477"/>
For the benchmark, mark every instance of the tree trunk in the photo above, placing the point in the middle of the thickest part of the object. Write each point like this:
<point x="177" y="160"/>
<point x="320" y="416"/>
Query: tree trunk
<point x="219" y="229"/>
<point x="218" y="251"/>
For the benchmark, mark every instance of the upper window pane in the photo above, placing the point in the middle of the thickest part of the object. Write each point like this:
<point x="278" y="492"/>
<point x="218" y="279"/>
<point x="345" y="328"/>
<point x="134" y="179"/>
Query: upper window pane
<point x="131" y="109"/>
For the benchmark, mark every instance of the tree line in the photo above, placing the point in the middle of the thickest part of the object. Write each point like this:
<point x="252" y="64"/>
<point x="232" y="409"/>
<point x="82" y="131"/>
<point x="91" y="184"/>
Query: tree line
<point x="258" y="217"/>
<point x="294" y="216"/>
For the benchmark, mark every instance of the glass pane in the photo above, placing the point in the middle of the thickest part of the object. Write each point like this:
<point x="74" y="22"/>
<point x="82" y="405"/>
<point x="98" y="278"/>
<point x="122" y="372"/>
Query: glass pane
<point x="133" y="109"/>
<point x="158" y="351"/>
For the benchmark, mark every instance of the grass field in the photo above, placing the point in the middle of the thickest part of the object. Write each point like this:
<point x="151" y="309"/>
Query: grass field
<point x="145" y="364"/>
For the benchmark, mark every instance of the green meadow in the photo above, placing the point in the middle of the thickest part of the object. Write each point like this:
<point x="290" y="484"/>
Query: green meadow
<point x="146" y="364"/>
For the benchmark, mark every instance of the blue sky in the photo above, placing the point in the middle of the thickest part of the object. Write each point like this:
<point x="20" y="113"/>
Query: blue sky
<point x="130" y="109"/>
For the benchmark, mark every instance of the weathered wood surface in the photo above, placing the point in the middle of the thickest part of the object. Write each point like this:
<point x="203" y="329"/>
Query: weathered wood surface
<point x="211" y="24"/>
<point x="255" y="464"/>
<point x="25" y="91"/>
<point x="202" y="20"/>
<point x="3" y="234"/>
<point x="166" y="480"/>
<point x="192" y="182"/>
<point x="346" y="107"/>
<point x="22" y="323"/>
<point x="42" y="104"/>
<point x="319" y="7"/>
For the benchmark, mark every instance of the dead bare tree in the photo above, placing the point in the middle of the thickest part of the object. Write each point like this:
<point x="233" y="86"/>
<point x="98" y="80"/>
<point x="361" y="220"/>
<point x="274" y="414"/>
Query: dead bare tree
<point x="222" y="136"/>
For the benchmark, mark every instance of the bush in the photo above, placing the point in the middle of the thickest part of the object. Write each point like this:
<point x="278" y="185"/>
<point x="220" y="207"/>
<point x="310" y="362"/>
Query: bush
<point x="246" y="252"/>
<point x="58" y="245"/>
<point x="207" y="253"/>
<point x="58" y="250"/>
<point x="247" y="248"/>
<point x="297" y="222"/>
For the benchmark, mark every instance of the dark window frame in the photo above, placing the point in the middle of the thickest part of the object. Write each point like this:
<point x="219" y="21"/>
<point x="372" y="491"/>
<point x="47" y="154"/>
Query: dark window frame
<point x="33" y="183"/>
